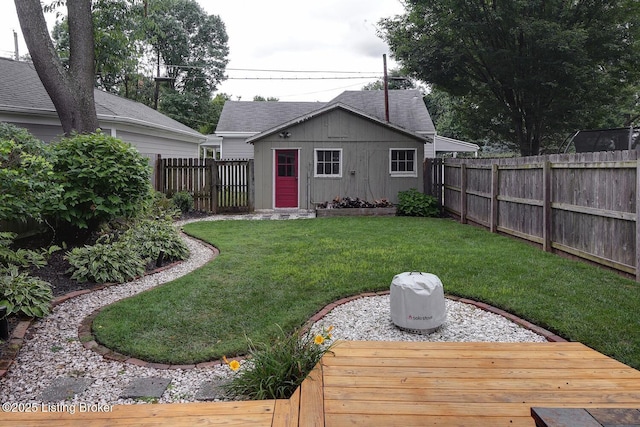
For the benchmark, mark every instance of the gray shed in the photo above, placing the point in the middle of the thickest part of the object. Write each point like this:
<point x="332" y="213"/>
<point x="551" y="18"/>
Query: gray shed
<point x="335" y="151"/>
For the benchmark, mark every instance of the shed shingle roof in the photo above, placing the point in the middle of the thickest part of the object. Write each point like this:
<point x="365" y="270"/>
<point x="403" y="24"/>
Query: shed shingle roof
<point x="406" y="110"/>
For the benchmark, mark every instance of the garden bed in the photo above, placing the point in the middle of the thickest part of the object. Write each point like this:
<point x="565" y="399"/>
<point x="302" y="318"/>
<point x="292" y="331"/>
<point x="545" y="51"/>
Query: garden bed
<point x="348" y="206"/>
<point x="331" y="212"/>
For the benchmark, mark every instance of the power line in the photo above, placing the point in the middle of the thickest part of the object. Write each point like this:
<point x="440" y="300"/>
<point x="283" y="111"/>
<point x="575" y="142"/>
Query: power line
<point x="261" y="70"/>
<point x="303" y="78"/>
<point x="301" y="71"/>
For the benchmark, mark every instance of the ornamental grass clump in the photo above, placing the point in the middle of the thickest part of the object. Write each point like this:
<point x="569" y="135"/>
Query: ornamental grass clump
<point x="276" y="370"/>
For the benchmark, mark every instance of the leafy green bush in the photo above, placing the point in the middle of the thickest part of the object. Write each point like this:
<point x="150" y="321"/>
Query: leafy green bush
<point x="121" y="256"/>
<point x="105" y="263"/>
<point x="19" y="257"/>
<point x="27" y="187"/>
<point x="275" y="370"/>
<point x="162" y="208"/>
<point x="183" y="200"/>
<point x="23" y="294"/>
<point x="414" y="203"/>
<point x="103" y="178"/>
<point x="156" y="241"/>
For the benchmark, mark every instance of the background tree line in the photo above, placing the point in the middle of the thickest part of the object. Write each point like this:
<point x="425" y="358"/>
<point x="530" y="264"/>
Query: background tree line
<point x="521" y="72"/>
<point x="120" y="46"/>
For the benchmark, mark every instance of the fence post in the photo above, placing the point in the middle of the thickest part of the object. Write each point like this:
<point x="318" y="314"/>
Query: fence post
<point x="251" y="186"/>
<point x="439" y="184"/>
<point x="637" y="221"/>
<point x="495" y="190"/>
<point x="427" y="177"/>
<point x="546" y="206"/>
<point x="159" y="184"/>
<point x="213" y="185"/>
<point x="463" y="193"/>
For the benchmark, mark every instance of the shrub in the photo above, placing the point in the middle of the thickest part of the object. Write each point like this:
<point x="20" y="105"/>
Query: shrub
<point x="162" y="208"/>
<point x="275" y="371"/>
<point x="155" y="241"/>
<point x="414" y="203"/>
<point x="183" y="200"/>
<point x="103" y="178"/>
<point x="105" y="262"/>
<point x="122" y="256"/>
<point x="27" y="188"/>
<point x="18" y="257"/>
<point x="23" y="294"/>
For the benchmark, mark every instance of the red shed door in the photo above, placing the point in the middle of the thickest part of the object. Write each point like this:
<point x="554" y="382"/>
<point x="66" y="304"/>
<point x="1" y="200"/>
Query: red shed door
<point x="286" y="169"/>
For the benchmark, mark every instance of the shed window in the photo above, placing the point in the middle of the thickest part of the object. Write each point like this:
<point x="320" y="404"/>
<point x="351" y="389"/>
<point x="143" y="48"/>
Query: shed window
<point x="328" y="163"/>
<point x="403" y="162"/>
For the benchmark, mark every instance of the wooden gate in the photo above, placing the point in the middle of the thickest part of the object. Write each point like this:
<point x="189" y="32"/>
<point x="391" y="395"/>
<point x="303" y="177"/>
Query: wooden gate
<point x="217" y="186"/>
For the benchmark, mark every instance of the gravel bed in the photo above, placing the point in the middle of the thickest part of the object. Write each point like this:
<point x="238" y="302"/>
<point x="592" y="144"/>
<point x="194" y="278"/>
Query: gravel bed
<point x="369" y="319"/>
<point x="52" y="349"/>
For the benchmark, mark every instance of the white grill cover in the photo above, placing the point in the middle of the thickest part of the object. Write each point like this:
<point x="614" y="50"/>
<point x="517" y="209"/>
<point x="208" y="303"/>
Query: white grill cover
<point x="417" y="302"/>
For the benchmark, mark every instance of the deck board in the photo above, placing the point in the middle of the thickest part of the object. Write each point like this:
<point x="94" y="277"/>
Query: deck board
<point x="406" y="384"/>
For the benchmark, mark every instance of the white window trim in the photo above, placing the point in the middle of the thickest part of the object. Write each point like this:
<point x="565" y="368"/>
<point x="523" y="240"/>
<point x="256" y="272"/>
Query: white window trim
<point x="315" y="163"/>
<point x="413" y="173"/>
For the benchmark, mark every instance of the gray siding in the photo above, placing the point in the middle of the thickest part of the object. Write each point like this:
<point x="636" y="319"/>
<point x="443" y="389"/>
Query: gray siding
<point x="365" y="160"/>
<point x="151" y="145"/>
<point x="44" y="132"/>
<point x="236" y="148"/>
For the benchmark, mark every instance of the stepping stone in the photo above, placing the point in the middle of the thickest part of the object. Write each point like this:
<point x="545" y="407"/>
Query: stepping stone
<point x="210" y="390"/>
<point x="146" y="388"/>
<point x="64" y="388"/>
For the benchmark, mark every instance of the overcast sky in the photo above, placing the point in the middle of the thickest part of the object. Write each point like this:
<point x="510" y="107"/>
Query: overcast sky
<point x="294" y="35"/>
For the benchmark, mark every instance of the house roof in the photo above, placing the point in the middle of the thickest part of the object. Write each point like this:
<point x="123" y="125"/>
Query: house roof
<point x="258" y="116"/>
<point x="21" y="91"/>
<point x="449" y="144"/>
<point x="330" y="107"/>
<point x="406" y="110"/>
<point x="406" y="107"/>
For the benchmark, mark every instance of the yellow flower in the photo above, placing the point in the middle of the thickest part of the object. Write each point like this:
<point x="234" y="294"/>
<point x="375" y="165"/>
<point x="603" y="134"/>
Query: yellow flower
<point x="319" y="339"/>
<point x="234" y="365"/>
<point x="330" y="328"/>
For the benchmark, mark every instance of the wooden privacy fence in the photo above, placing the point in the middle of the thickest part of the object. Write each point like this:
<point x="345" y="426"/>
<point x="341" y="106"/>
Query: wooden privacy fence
<point x="584" y="204"/>
<point x="217" y="186"/>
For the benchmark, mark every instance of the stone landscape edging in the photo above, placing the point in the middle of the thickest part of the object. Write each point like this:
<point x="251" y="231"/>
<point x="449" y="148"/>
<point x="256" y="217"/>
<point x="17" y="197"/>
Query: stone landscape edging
<point x="16" y="340"/>
<point x="88" y="341"/>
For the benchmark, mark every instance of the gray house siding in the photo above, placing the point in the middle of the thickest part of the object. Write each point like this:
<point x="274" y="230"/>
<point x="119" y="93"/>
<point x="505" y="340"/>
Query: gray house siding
<point x="151" y="145"/>
<point x="236" y="148"/>
<point x="25" y="103"/>
<point x="365" y="149"/>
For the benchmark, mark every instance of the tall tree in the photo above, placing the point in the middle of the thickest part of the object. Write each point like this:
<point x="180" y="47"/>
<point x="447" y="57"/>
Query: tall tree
<point x="213" y="116"/>
<point x="192" y="46"/>
<point x="70" y="89"/>
<point x="395" y="81"/>
<point x="529" y="67"/>
<point x="118" y="34"/>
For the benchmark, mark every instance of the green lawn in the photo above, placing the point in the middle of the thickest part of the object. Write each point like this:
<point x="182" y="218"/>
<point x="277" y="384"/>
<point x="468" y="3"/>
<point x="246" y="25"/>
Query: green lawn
<point x="273" y="273"/>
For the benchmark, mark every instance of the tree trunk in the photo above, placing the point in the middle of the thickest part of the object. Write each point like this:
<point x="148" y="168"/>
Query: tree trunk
<point x="71" y="91"/>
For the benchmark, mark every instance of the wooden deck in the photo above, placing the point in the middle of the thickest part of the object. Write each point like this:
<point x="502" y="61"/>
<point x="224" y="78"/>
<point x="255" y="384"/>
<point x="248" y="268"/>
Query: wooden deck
<point x="405" y="384"/>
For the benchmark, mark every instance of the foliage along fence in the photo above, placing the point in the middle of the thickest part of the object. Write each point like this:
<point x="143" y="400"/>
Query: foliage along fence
<point x="217" y="186"/>
<point x="585" y="205"/>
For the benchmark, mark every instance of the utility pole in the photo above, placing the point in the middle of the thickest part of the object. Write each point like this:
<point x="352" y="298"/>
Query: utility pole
<point x="15" y="44"/>
<point x="386" y="88"/>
